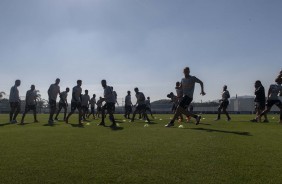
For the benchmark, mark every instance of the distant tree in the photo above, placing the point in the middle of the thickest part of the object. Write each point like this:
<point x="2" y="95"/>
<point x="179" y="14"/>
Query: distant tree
<point x="41" y="103"/>
<point x="2" y="94"/>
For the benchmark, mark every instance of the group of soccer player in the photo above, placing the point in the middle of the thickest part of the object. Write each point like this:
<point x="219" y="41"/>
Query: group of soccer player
<point x="79" y="102"/>
<point x="182" y="102"/>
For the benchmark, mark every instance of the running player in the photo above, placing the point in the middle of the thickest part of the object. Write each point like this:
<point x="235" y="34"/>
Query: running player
<point x="92" y="104"/>
<point x="30" y="103"/>
<point x="15" y="102"/>
<point x="63" y="103"/>
<point x="76" y="102"/>
<point x="53" y="92"/>
<point x="188" y="86"/>
<point x="109" y="98"/>
<point x="272" y="97"/>
<point x="141" y="107"/>
<point x="259" y="100"/>
<point x="148" y="106"/>
<point x="224" y="102"/>
<point x="128" y="105"/>
<point x="85" y="99"/>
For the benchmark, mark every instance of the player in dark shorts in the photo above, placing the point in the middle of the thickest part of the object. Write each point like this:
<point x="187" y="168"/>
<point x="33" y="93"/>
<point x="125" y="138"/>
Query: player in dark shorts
<point x="259" y="100"/>
<point x="224" y="102"/>
<point x="110" y="100"/>
<point x="15" y="102"/>
<point x="148" y="106"/>
<point x="63" y="103"/>
<point x="141" y="107"/>
<point x="76" y="102"/>
<point x="85" y="99"/>
<point x="273" y="97"/>
<point x="188" y="86"/>
<point x="53" y="92"/>
<point x="92" y="106"/>
<point x="30" y="103"/>
<point x="99" y="107"/>
<point x="128" y="105"/>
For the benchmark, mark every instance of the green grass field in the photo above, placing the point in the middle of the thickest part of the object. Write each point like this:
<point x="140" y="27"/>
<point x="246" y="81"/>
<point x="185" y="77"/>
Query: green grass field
<point x="211" y="152"/>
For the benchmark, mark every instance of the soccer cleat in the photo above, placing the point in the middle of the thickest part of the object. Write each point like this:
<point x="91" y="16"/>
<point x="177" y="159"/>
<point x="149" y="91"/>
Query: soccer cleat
<point x="50" y="122"/>
<point x="198" y="119"/>
<point x="113" y="125"/>
<point x="36" y="121"/>
<point x="254" y="120"/>
<point x="101" y="124"/>
<point x="170" y="124"/>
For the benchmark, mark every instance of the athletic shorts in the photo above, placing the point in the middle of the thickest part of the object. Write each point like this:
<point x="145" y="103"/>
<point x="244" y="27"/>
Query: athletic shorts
<point x="128" y="108"/>
<point x="62" y="105"/>
<point x="99" y="109"/>
<point x="30" y="108"/>
<point x="270" y="103"/>
<point x="224" y="104"/>
<point x="15" y="105"/>
<point x="75" y="105"/>
<point x="185" y="102"/>
<point x="52" y="104"/>
<point x="84" y="108"/>
<point x="260" y="105"/>
<point x="141" y="107"/>
<point x="148" y="109"/>
<point x="109" y="106"/>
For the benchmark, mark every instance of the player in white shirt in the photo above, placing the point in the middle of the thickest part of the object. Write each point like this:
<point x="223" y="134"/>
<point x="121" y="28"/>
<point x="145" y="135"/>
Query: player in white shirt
<point x="53" y="92"/>
<point x="63" y="103"/>
<point x="275" y="90"/>
<point x="141" y="107"/>
<point x="15" y="102"/>
<point x="30" y="103"/>
<point x="148" y="106"/>
<point x="76" y="102"/>
<point x="92" y="105"/>
<point x="224" y="102"/>
<point x="188" y="87"/>
<point x="85" y="99"/>
<point x="128" y="105"/>
<point x="110" y="100"/>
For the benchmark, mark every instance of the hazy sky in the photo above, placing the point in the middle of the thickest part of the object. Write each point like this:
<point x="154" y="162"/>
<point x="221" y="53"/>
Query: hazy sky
<point x="140" y="43"/>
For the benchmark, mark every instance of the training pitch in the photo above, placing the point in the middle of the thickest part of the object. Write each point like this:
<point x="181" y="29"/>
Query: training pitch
<point x="212" y="152"/>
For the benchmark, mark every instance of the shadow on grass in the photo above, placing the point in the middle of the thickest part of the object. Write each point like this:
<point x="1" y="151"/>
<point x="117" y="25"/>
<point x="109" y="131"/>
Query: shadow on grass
<point x="223" y="131"/>
<point x="116" y="128"/>
<point x="49" y="125"/>
<point x="77" y="125"/>
<point x="4" y="124"/>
